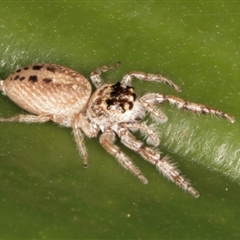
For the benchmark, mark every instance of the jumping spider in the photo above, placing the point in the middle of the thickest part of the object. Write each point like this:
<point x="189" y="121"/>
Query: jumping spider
<point x="56" y="93"/>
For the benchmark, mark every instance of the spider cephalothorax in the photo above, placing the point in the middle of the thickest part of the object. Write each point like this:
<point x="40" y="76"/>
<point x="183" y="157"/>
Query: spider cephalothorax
<point x="57" y="93"/>
<point x="112" y="103"/>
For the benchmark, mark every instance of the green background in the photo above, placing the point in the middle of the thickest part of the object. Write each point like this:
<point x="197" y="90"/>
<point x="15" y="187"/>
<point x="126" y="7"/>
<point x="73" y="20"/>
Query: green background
<point x="44" y="191"/>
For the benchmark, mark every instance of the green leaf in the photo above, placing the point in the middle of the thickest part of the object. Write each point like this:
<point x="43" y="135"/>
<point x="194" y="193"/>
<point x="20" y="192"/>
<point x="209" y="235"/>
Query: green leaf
<point x="44" y="191"/>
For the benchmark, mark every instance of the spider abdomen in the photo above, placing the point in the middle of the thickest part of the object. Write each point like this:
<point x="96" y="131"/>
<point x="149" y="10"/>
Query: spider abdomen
<point x="48" y="89"/>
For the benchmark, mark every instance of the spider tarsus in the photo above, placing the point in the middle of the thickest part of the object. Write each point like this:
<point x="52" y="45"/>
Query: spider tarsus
<point x="85" y="165"/>
<point x="114" y="67"/>
<point x="226" y="116"/>
<point x="231" y="119"/>
<point x="143" y="179"/>
<point x="178" y="89"/>
<point x="193" y="192"/>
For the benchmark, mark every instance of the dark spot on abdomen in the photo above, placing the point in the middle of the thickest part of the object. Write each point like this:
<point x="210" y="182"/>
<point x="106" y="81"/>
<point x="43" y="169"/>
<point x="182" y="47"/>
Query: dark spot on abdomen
<point x="51" y="69"/>
<point x="33" y="78"/>
<point x="26" y="68"/>
<point x="19" y="70"/>
<point x="21" y="78"/>
<point x="37" y="67"/>
<point x="47" y="80"/>
<point x="17" y="77"/>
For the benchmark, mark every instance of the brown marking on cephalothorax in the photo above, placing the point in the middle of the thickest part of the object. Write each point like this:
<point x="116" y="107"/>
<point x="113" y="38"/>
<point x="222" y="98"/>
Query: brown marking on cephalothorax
<point x="47" y="80"/>
<point x="122" y="96"/>
<point x="37" y="67"/>
<point x="117" y="105"/>
<point x="130" y="104"/>
<point x="122" y="91"/>
<point x="99" y="101"/>
<point x="33" y="78"/>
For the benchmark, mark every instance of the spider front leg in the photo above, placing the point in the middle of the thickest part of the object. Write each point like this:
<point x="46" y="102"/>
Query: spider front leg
<point x="150" y="133"/>
<point x="155" y="98"/>
<point x="162" y="165"/>
<point x="95" y="75"/>
<point x="107" y="140"/>
<point x="127" y="79"/>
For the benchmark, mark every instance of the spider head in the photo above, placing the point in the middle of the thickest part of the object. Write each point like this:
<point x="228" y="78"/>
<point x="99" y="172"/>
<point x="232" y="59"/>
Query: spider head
<point x="114" y="103"/>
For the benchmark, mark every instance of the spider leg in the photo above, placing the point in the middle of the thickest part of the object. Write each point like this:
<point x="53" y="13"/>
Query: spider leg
<point x="81" y="121"/>
<point x="107" y="141"/>
<point x="162" y="165"/>
<point x="149" y="132"/>
<point x="79" y="139"/>
<point x="95" y="75"/>
<point x="156" y="114"/>
<point x="127" y="79"/>
<point x="81" y="125"/>
<point x="27" y="118"/>
<point x="155" y="98"/>
<point x="44" y="118"/>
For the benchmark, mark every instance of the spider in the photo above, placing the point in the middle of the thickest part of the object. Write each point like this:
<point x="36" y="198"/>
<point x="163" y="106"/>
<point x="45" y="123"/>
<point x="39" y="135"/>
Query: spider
<point x="57" y="93"/>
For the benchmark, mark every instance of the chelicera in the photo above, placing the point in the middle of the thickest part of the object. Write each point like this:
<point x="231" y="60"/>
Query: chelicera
<point x="62" y="95"/>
